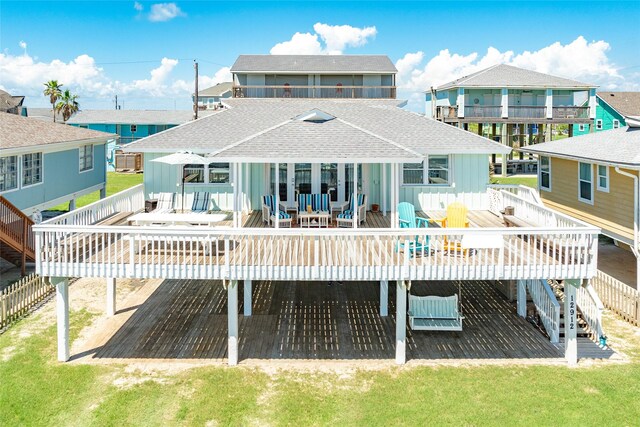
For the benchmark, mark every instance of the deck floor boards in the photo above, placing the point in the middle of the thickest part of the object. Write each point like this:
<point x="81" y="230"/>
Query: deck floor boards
<point x="186" y="319"/>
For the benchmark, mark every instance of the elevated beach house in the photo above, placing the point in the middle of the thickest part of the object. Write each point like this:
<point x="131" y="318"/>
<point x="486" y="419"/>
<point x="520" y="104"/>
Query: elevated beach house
<point x="612" y="111"/>
<point x="210" y="98"/>
<point x="512" y="105"/>
<point x="594" y="177"/>
<point x="312" y="172"/>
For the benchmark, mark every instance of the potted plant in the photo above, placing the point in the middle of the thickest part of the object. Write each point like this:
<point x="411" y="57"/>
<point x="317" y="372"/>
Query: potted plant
<point x="375" y="207"/>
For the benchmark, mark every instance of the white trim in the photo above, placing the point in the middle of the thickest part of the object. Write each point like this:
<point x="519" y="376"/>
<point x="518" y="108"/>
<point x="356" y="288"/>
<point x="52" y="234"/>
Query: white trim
<point x="540" y="187"/>
<point x="606" y="176"/>
<point x="425" y="174"/>
<point x="18" y="180"/>
<point x="616" y="123"/>
<point x="58" y="146"/>
<point x="581" y="127"/>
<point x="590" y="202"/>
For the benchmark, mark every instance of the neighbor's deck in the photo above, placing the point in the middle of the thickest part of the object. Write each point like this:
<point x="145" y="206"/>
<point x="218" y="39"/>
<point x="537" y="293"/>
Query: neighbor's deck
<point x="298" y="321"/>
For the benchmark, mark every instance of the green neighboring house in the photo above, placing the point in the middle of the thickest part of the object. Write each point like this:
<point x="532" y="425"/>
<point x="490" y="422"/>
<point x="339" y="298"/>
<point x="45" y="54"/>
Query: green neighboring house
<point x="612" y="109"/>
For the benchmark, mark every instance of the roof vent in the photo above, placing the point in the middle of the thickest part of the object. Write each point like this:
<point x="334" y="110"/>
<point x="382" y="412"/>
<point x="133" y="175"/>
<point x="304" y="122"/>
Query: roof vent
<point x="314" y="115"/>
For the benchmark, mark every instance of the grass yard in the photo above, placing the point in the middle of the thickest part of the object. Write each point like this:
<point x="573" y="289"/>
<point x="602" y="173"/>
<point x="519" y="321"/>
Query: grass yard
<point x="36" y="390"/>
<point x="116" y="182"/>
<point x="529" y="181"/>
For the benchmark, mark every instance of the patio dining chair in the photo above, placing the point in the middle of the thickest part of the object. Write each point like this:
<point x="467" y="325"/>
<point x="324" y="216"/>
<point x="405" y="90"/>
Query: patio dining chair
<point x="345" y="218"/>
<point x="269" y="212"/>
<point x="201" y="200"/>
<point x="165" y="203"/>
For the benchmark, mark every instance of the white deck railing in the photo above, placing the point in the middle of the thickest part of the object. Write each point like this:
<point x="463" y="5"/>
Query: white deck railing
<point x="527" y="193"/>
<point x="547" y="306"/>
<point x="591" y="307"/>
<point x="295" y="254"/>
<point x="129" y="200"/>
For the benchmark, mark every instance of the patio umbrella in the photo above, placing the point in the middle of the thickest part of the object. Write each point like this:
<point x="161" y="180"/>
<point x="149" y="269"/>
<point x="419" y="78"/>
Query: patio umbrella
<point x="183" y="158"/>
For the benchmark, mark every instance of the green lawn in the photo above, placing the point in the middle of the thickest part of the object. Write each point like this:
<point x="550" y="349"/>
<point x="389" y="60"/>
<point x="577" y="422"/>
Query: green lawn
<point x="529" y="181"/>
<point x="36" y="390"/>
<point x="116" y="182"/>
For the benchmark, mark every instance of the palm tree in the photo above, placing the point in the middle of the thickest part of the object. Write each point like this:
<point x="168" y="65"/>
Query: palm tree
<point x="67" y="105"/>
<point x="53" y="91"/>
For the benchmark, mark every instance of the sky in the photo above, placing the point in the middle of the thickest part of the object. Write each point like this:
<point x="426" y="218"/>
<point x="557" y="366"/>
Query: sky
<point x="143" y="52"/>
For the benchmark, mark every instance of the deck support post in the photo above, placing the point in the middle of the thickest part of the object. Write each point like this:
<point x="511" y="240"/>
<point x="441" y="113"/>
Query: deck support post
<point x="355" y="196"/>
<point x="103" y="192"/>
<point x="383" y="188"/>
<point x="522" y="298"/>
<point x="111" y="296"/>
<point x="62" y="313"/>
<point x="394" y="190"/>
<point x="232" y="315"/>
<point x="276" y="194"/>
<point x="401" y="322"/>
<point x="247" y="297"/>
<point x="570" y="322"/>
<point x="384" y="297"/>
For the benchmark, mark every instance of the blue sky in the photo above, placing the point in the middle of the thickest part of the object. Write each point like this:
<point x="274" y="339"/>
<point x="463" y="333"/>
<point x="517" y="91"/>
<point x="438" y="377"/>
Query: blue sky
<point x="102" y="48"/>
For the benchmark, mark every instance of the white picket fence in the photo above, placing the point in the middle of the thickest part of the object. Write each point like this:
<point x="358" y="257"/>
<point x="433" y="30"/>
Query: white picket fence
<point x="618" y="297"/>
<point x="21" y="296"/>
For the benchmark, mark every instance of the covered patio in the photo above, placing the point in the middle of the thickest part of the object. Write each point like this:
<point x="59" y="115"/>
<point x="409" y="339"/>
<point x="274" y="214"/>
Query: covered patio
<point x="294" y="321"/>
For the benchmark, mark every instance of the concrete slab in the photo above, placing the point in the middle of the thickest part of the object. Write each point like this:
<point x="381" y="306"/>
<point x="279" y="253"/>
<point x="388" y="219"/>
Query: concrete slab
<point x="617" y="262"/>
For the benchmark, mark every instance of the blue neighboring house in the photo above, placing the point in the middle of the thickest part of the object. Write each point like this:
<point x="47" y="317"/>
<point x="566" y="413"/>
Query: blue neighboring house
<point x="211" y="97"/>
<point x="129" y="125"/>
<point x="43" y="164"/>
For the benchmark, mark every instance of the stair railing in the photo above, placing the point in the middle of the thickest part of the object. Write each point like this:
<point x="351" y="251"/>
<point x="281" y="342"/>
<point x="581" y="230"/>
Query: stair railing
<point x="16" y="231"/>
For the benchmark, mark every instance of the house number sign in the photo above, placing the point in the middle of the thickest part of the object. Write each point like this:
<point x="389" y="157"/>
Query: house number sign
<point x="572" y="312"/>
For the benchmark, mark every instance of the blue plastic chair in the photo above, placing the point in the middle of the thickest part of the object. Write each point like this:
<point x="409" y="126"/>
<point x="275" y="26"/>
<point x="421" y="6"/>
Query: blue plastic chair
<point x="408" y="219"/>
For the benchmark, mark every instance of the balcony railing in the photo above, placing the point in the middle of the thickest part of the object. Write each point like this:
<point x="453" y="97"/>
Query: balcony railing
<point x="570" y="112"/>
<point x="444" y="112"/>
<point x="527" y="112"/>
<point x="284" y="91"/>
<point x="77" y="245"/>
<point x="483" y="111"/>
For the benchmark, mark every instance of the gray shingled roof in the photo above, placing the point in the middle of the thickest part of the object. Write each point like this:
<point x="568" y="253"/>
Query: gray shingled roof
<point x="45" y="114"/>
<point x="217" y="90"/>
<point x="266" y="128"/>
<point x="625" y="103"/>
<point x="502" y="75"/>
<point x="17" y="132"/>
<point x="618" y="146"/>
<point x="136" y="117"/>
<point x="338" y="64"/>
<point x="8" y="101"/>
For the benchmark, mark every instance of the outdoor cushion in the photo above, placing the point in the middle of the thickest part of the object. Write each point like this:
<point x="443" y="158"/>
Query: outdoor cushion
<point x="165" y="202"/>
<point x="200" y="202"/>
<point x="318" y="202"/>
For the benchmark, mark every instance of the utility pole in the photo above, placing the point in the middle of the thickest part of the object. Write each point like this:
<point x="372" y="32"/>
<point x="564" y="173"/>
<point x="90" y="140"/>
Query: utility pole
<point x="116" y="102"/>
<point x="195" y="97"/>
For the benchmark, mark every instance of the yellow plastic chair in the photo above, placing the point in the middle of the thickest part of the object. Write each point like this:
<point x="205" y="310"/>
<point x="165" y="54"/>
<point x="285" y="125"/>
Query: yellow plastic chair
<point x="456" y="218"/>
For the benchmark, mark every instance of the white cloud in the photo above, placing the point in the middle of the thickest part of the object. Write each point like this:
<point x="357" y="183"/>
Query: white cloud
<point x="336" y="39"/>
<point x="300" y="44"/>
<point x="222" y="75"/>
<point x="138" y="6"/>
<point x="339" y="37"/>
<point x="161" y="12"/>
<point x="23" y="45"/>
<point x="156" y="85"/>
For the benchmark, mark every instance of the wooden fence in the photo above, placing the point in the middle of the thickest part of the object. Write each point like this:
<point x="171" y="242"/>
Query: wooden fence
<point x="18" y="298"/>
<point x="618" y="297"/>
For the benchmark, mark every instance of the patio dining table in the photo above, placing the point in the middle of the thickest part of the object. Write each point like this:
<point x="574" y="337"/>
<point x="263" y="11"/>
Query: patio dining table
<point x="176" y="218"/>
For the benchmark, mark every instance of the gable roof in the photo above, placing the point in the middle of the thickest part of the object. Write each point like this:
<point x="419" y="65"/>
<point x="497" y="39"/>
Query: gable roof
<point x="503" y="75"/>
<point x="133" y="117"/>
<point x="336" y="64"/>
<point x="625" y="103"/>
<point x="18" y="132"/>
<point x="217" y="90"/>
<point x="616" y="146"/>
<point x="268" y="129"/>
<point x="9" y="102"/>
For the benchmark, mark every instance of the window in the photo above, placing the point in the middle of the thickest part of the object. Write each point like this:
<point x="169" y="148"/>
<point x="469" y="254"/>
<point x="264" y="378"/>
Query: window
<point x="545" y="173"/>
<point x="581" y="128"/>
<point x="616" y="123"/>
<point x="8" y="173"/>
<point x="193" y="174"/>
<point x="215" y="173"/>
<point x="433" y="171"/>
<point x="585" y="183"/>
<point x="86" y="158"/>
<point x="219" y="173"/>
<point x="599" y="124"/>
<point x="133" y="128"/>
<point x="31" y="169"/>
<point x="603" y="178"/>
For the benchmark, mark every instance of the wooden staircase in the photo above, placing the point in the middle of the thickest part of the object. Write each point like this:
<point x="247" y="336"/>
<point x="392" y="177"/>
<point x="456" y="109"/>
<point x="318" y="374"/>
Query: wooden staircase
<point x="16" y="235"/>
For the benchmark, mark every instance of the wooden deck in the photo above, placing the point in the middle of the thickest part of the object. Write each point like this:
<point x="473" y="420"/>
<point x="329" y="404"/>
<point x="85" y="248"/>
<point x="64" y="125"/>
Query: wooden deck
<point x="297" y="321"/>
